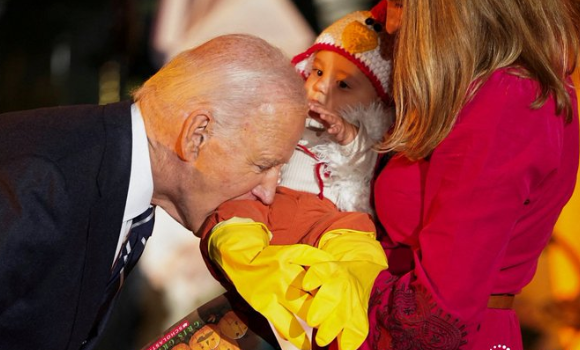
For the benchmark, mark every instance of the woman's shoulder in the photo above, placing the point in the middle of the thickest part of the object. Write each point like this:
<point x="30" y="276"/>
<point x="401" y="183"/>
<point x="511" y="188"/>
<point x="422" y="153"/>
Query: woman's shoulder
<point x="511" y="81"/>
<point x="503" y="102"/>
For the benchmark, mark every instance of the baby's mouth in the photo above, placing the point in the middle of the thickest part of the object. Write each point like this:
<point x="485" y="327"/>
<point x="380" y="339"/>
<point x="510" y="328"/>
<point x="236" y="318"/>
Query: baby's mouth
<point x="312" y="114"/>
<point x="313" y="121"/>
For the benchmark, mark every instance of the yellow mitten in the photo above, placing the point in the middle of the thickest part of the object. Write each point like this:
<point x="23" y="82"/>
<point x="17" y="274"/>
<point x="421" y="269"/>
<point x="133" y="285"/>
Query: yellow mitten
<point x="342" y="287"/>
<point x="268" y="277"/>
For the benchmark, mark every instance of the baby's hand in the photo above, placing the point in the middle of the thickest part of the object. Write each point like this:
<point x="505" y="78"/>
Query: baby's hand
<point x="342" y="131"/>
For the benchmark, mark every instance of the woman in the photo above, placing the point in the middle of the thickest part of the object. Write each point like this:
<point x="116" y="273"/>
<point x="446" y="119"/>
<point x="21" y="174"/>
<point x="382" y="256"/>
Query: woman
<point x="486" y="139"/>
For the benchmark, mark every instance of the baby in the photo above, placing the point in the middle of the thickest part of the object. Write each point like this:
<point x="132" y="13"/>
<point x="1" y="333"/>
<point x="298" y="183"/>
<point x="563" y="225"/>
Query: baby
<point x="323" y="198"/>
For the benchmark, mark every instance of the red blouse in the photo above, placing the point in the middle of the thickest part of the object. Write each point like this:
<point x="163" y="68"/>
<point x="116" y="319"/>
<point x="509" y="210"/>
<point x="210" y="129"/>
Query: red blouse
<point x="476" y="216"/>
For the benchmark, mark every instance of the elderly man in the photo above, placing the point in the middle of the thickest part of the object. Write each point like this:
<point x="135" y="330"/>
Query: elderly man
<point x="217" y="122"/>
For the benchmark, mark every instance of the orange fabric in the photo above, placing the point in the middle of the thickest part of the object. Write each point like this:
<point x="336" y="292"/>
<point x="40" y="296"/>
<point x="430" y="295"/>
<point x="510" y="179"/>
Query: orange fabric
<point x="294" y="217"/>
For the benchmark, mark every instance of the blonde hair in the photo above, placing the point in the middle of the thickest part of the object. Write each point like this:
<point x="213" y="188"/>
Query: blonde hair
<point x="446" y="45"/>
<point x="234" y="76"/>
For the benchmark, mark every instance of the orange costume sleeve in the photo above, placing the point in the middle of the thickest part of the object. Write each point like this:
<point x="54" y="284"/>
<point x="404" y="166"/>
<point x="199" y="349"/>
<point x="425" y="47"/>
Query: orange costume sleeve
<point x="294" y="217"/>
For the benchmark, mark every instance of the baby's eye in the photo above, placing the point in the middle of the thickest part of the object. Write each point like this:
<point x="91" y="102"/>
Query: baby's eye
<point x="318" y="72"/>
<point x="342" y="84"/>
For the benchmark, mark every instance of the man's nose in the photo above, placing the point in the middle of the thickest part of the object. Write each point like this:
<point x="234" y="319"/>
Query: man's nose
<point x="266" y="190"/>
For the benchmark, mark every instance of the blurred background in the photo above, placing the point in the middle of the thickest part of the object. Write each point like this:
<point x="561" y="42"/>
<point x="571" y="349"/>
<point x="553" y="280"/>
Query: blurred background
<point x="60" y="52"/>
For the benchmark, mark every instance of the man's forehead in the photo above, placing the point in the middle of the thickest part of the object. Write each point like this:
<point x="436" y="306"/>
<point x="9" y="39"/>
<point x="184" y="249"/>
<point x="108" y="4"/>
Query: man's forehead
<point x="282" y="123"/>
<point x="276" y="144"/>
<point x="279" y="128"/>
<point x="281" y="157"/>
<point x="273" y="144"/>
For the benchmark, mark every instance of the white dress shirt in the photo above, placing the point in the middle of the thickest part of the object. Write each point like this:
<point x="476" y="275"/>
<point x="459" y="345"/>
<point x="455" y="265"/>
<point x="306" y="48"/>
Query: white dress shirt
<point x="141" y="180"/>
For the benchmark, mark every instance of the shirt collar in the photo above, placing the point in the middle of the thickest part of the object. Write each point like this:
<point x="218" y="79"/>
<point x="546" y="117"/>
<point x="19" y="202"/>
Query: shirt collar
<point x="141" y="181"/>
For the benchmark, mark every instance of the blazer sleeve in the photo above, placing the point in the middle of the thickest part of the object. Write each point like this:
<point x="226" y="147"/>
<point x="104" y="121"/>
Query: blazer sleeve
<point x="33" y="203"/>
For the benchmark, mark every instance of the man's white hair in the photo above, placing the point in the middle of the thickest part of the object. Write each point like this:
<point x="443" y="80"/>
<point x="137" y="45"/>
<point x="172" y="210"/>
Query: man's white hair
<point x="233" y="76"/>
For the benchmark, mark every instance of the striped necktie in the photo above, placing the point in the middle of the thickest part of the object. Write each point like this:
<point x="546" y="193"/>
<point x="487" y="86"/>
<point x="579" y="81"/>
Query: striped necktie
<point x="140" y="230"/>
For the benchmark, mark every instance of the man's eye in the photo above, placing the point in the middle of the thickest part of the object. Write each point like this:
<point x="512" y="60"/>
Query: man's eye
<point x="263" y="168"/>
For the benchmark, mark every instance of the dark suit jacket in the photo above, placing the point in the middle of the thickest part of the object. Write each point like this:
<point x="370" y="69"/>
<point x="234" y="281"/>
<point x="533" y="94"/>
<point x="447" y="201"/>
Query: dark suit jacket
<point x="64" y="177"/>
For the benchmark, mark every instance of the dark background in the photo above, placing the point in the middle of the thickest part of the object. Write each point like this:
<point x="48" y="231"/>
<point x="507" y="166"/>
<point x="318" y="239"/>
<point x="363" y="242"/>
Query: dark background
<point x="58" y="52"/>
<point x="52" y="52"/>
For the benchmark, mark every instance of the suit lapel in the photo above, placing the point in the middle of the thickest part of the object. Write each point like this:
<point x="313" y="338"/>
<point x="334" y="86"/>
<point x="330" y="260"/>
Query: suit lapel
<point x="106" y="217"/>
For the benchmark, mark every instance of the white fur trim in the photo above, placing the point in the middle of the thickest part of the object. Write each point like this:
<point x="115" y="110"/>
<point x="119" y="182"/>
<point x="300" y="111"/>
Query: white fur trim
<point x="376" y="118"/>
<point x="351" y="174"/>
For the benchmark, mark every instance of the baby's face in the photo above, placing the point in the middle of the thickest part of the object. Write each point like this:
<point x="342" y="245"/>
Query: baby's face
<point x="335" y="82"/>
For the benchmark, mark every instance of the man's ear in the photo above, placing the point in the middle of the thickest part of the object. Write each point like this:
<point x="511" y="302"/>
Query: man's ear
<point x="194" y="134"/>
